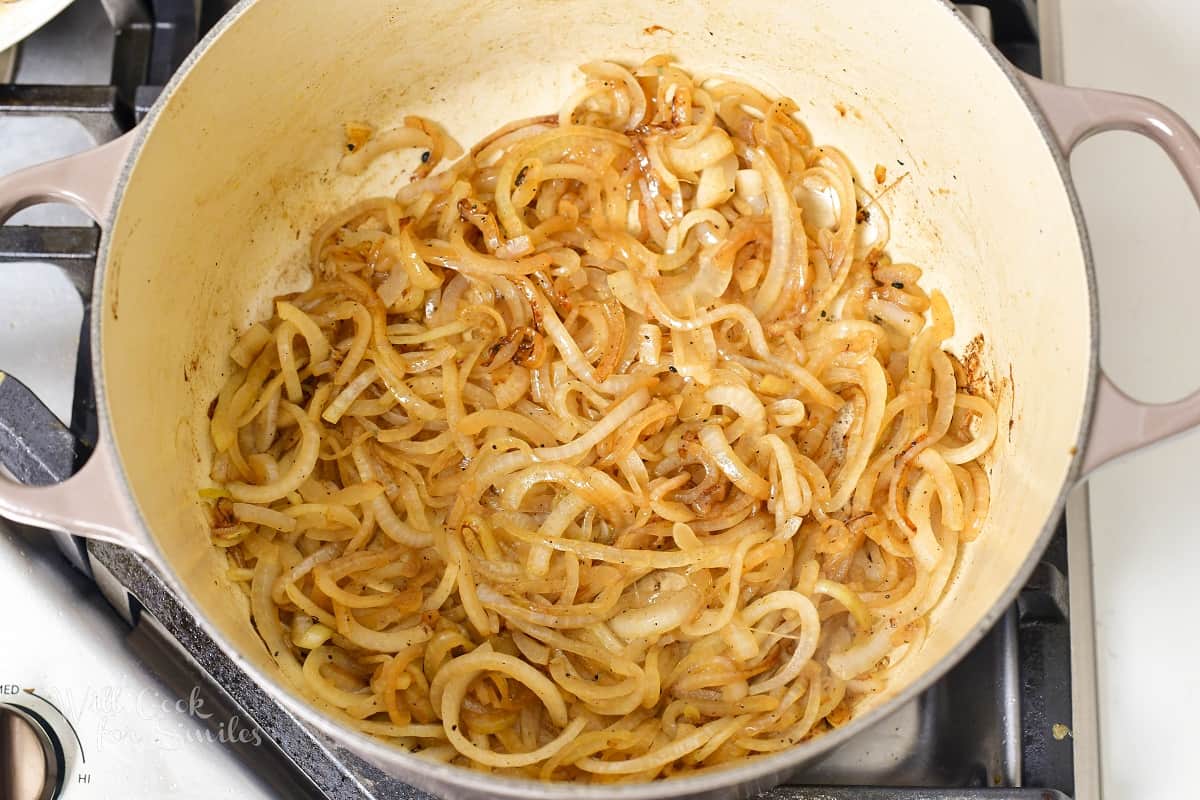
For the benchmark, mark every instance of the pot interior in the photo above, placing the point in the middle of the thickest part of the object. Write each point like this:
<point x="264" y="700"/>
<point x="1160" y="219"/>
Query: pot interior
<point x="238" y="168"/>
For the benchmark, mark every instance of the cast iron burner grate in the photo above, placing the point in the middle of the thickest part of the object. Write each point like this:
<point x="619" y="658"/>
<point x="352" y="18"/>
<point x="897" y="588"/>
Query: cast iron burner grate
<point x="982" y="733"/>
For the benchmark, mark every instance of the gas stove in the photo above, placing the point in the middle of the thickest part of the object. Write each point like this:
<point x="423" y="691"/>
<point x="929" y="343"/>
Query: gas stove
<point x="140" y="703"/>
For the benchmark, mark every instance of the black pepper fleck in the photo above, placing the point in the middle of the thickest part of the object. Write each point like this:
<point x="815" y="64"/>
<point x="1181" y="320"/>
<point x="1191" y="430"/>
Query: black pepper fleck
<point x="425" y="156"/>
<point x="897" y="285"/>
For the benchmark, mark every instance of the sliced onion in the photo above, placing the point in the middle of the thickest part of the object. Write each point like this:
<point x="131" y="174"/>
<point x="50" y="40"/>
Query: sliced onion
<point x="304" y="459"/>
<point x="664" y="615"/>
<point x="261" y="515"/>
<point x="714" y="441"/>
<point x="716" y="183"/>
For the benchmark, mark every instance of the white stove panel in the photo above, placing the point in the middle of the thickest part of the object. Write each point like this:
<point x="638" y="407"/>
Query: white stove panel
<point x="1145" y="509"/>
<point x="123" y="735"/>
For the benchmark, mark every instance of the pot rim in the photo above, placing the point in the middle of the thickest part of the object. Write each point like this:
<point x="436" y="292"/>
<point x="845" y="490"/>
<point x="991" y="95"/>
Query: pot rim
<point x="759" y="773"/>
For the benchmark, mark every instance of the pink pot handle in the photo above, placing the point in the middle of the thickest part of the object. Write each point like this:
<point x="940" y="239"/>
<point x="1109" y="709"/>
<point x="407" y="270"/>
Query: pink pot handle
<point x="1121" y="424"/>
<point x="87" y="180"/>
<point x="92" y="502"/>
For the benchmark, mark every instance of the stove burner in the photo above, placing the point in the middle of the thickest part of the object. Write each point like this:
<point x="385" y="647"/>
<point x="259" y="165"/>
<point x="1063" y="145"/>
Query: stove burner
<point x="984" y="731"/>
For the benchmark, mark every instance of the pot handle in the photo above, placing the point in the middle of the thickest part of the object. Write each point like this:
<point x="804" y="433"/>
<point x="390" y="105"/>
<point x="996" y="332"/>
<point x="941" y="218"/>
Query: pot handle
<point x="92" y="502"/>
<point x="87" y="180"/>
<point x="1121" y="424"/>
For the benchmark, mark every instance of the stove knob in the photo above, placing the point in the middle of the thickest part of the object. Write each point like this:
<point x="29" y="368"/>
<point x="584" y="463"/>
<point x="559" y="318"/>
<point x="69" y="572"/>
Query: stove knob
<point x="30" y="756"/>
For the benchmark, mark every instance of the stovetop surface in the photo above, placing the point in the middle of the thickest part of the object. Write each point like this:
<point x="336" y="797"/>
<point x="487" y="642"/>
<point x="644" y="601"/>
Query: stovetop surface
<point x="985" y="730"/>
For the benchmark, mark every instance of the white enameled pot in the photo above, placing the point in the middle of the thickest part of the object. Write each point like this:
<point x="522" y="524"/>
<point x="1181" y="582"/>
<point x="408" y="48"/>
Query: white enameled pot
<point x="207" y="208"/>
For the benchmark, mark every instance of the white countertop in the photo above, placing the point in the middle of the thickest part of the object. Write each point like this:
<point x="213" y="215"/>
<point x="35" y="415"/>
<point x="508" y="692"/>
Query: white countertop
<point x="1145" y="509"/>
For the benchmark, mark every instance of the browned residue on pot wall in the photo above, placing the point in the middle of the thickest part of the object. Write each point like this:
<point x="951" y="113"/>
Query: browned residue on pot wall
<point x="977" y="372"/>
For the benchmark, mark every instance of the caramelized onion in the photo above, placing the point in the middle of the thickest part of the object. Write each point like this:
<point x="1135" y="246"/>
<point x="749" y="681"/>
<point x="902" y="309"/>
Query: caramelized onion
<point x="617" y="448"/>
